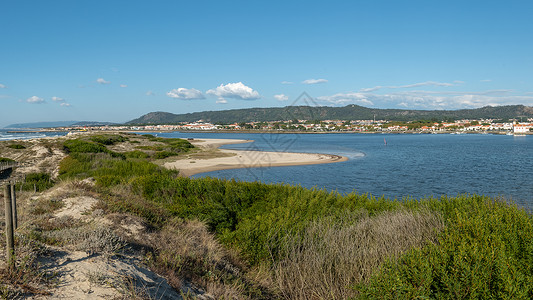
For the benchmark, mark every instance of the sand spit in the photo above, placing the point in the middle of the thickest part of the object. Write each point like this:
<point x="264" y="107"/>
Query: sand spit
<point x="235" y="159"/>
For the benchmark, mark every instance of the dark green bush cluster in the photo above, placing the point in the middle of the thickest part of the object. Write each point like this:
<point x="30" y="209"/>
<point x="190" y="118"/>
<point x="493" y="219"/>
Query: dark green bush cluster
<point x="16" y="146"/>
<point x="81" y="146"/>
<point x="5" y="159"/>
<point x="168" y="147"/>
<point x="485" y="252"/>
<point x="136" y="154"/>
<point x="108" y="139"/>
<point x="164" y="154"/>
<point x="106" y="169"/>
<point x="36" y="181"/>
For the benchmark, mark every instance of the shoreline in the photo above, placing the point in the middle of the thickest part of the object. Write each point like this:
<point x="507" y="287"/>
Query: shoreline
<point x="238" y="159"/>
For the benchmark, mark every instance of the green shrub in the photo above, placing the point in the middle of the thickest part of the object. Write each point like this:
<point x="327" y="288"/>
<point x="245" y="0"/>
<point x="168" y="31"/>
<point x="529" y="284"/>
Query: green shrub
<point x="72" y="166"/>
<point x="4" y="159"/>
<point x="16" y="146"/>
<point x="108" y="139"/>
<point x="80" y="146"/>
<point x="164" y="154"/>
<point x="485" y="252"/>
<point x="136" y="154"/>
<point x="106" y="169"/>
<point x="36" y="181"/>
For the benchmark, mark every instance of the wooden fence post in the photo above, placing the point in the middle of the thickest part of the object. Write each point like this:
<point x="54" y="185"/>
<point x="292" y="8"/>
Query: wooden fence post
<point x="14" y="206"/>
<point x="10" y="238"/>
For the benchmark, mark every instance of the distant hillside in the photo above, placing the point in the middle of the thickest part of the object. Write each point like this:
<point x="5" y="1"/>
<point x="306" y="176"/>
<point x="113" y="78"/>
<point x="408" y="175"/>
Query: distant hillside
<point x="42" y="124"/>
<point x="93" y="123"/>
<point x="57" y="124"/>
<point x="350" y="112"/>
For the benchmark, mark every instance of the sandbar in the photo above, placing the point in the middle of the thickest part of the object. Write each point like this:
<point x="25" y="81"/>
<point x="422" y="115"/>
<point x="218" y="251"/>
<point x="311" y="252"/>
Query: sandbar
<point x="236" y="159"/>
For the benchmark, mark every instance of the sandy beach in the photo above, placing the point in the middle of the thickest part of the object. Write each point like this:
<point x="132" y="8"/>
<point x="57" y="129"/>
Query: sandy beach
<point x="235" y="159"/>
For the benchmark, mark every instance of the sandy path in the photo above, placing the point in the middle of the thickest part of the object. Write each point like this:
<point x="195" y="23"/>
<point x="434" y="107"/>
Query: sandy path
<point x="246" y="159"/>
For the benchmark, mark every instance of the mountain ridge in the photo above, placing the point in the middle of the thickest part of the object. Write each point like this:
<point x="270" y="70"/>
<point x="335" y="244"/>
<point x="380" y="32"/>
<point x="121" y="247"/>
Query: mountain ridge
<point x="33" y="125"/>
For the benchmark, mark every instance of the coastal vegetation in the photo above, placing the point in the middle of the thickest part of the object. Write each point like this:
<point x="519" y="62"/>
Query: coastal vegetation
<point x="16" y="146"/>
<point x="272" y="241"/>
<point x="292" y="238"/>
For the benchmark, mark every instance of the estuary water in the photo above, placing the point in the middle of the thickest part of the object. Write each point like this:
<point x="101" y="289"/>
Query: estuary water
<point x="396" y="165"/>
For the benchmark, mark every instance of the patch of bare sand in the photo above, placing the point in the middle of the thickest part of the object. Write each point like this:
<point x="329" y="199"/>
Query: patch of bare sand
<point x="38" y="157"/>
<point x="83" y="276"/>
<point x="76" y="207"/>
<point x="235" y="159"/>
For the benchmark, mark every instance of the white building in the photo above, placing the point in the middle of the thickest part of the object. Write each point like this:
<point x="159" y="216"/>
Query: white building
<point x="521" y="128"/>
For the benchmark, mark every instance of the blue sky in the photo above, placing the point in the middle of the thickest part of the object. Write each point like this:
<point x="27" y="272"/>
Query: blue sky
<point x="116" y="60"/>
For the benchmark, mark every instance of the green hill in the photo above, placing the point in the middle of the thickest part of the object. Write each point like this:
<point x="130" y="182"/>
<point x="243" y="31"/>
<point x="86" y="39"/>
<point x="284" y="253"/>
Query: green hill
<point x="350" y="112"/>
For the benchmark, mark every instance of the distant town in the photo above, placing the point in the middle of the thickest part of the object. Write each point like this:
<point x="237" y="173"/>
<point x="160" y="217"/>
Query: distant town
<point x="362" y="126"/>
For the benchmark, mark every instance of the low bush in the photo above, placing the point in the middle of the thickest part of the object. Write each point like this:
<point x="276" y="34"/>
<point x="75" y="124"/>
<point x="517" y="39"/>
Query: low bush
<point x="81" y="146"/>
<point x="16" y="146"/>
<point x="484" y="252"/>
<point x="331" y="255"/>
<point x="108" y="139"/>
<point x="164" y="154"/>
<point x="36" y="182"/>
<point x="98" y="240"/>
<point x="136" y="154"/>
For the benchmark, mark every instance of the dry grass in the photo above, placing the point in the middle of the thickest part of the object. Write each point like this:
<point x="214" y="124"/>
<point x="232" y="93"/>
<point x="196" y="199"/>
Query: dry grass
<point x="90" y="239"/>
<point x="328" y="258"/>
<point x="26" y="279"/>
<point x="187" y="252"/>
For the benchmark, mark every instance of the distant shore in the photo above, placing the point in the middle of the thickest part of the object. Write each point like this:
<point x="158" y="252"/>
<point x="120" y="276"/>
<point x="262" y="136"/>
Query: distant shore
<point x="237" y="159"/>
<point x="265" y="131"/>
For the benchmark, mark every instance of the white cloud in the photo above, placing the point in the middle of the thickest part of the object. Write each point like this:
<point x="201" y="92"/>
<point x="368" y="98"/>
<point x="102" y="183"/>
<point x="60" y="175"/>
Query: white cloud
<point x="235" y="90"/>
<point x="102" y="81"/>
<point x="281" y="97"/>
<point x="222" y="101"/>
<point x="427" y="83"/>
<point x="61" y="101"/>
<point x="314" y="81"/>
<point x="3" y="86"/>
<point x="486" y="80"/>
<point x="185" y="94"/>
<point x="123" y="85"/>
<point x="150" y="93"/>
<point x="347" y="98"/>
<point x="430" y="99"/>
<point x="35" y="100"/>
<point x="287" y="82"/>
<point x="428" y="93"/>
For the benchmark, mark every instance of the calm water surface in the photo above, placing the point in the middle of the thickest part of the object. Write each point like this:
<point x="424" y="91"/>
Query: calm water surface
<point x="415" y="165"/>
